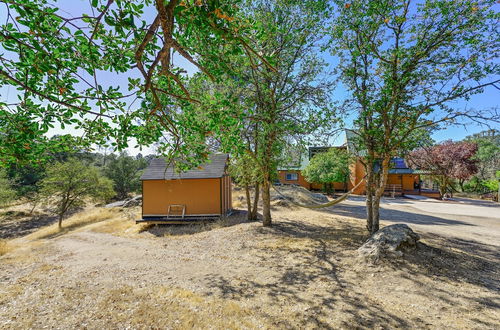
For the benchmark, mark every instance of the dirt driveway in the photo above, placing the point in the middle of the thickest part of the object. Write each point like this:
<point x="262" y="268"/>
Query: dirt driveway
<point x="302" y="273"/>
<point x="463" y="219"/>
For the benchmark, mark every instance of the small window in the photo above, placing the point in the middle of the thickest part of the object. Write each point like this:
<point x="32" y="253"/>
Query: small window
<point x="292" y="176"/>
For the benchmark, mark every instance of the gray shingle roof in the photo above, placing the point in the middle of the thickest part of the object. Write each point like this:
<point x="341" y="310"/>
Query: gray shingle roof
<point x="213" y="169"/>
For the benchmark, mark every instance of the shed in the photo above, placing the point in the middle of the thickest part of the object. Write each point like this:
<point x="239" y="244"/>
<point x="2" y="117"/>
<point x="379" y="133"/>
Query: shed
<point x="200" y="193"/>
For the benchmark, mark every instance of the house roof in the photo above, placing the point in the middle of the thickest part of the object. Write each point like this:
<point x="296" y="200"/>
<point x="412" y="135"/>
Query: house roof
<point x="301" y="160"/>
<point x="352" y="144"/>
<point x="214" y="168"/>
<point x="398" y="166"/>
<point x="297" y="166"/>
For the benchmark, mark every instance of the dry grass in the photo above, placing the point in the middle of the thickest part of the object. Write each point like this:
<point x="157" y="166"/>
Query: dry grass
<point x="179" y="308"/>
<point x="105" y="220"/>
<point x="4" y="247"/>
<point x="74" y="223"/>
<point x="300" y="273"/>
<point x="195" y="227"/>
<point x="13" y="291"/>
<point x="291" y="244"/>
<point x="130" y="307"/>
<point x="115" y="221"/>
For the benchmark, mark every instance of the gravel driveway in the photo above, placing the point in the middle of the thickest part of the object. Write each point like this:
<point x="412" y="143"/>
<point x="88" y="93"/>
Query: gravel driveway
<point x="464" y="219"/>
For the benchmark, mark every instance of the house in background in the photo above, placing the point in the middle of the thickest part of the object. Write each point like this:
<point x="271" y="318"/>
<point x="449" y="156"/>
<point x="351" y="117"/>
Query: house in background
<point x="401" y="179"/>
<point x="200" y="193"/>
<point x="293" y="174"/>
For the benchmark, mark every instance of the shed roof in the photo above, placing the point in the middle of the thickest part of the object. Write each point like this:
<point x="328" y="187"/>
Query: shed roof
<point x="214" y="168"/>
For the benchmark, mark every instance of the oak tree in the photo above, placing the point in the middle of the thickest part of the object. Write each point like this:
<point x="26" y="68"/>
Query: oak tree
<point x="328" y="167"/>
<point x="60" y="63"/>
<point x="404" y="62"/>
<point x="69" y="185"/>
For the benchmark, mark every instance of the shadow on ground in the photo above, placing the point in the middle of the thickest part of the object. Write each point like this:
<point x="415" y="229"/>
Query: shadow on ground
<point x="17" y="223"/>
<point x="396" y="216"/>
<point x="12" y="226"/>
<point x="161" y="230"/>
<point x="307" y="257"/>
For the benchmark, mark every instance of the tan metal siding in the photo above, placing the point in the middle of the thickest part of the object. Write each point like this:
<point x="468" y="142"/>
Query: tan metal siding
<point x="201" y="196"/>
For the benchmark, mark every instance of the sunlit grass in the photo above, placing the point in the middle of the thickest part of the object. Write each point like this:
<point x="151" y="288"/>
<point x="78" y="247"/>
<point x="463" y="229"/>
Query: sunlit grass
<point x="4" y="247"/>
<point x="73" y="223"/>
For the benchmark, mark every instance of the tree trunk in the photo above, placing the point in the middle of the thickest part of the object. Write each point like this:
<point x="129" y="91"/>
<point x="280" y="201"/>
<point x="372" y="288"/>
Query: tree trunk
<point x="249" y="202"/>
<point x="256" y="201"/>
<point x="375" y="214"/>
<point x="442" y="187"/>
<point x="461" y="184"/>
<point x="34" y="205"/>
<point x="381" y="180"/>
<point x="266" y="202"/>
<point x="369" y="197"/>
<point x="375" y="188"/>
<point x="60" y="221"/>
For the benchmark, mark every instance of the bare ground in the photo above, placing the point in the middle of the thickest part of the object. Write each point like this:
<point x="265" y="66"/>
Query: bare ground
<point x="301" y="273"/>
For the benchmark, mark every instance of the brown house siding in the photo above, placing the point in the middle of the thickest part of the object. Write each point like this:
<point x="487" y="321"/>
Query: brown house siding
<point x="405" y="180"/>
<point x="357" y="174"/>
<point x="304" y="183"/>
<point x="300" y="181"/>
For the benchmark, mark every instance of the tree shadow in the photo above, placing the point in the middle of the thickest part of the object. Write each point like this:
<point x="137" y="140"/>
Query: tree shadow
<point x="473" y="202"/>
<point x="12" y="227"/>
<point x="395" y="216"/>
<point x="190" y="228"/>
<point x="307" y="254"/>
<point x="458" y="260"/>
<point x="19" y="223"/>
<point x="313" y="263"/>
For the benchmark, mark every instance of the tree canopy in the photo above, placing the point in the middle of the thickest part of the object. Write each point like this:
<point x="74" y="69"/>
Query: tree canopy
<point x="68" y="185"/>
<point x="328" y="167"/>
<point x="445" y="162"/>
<point x="257" y="111"/>
<point x="124" y="172"/>
<point x="58" y="63"/>
<point x="487" y="156"/>
<point x="404" y="63"/>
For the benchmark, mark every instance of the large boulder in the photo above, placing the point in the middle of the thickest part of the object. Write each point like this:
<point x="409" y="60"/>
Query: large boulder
<point x="129" y="202"/>
<point x="134" y="201"/>
<point x="319" y="198"/>
<point x="296" y="194"/>
<point x="117" y="204"/>
<point x="389" y="241"/>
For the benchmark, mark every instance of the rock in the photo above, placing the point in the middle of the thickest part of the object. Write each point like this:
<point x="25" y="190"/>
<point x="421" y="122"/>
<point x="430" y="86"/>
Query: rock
<point x="319" y="198"/>
<point x="389" y="241"/>
<point x="135" y="201"/>
<point x="116" y="204"/>
<point x="281" y="203"/>
<point x="129" y="202"/>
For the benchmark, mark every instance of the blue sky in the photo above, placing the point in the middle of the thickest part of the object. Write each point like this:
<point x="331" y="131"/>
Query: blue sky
<point x="487" y="100"/>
